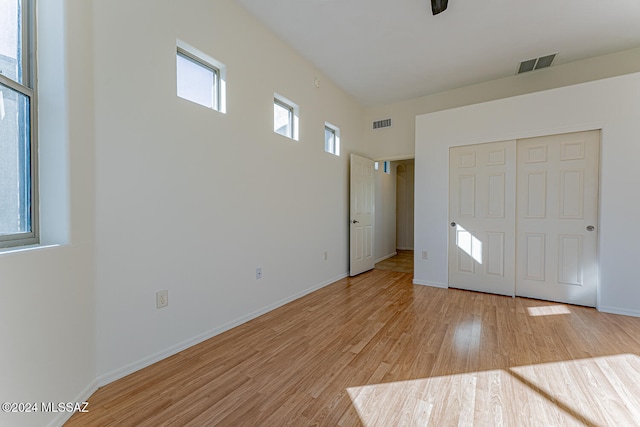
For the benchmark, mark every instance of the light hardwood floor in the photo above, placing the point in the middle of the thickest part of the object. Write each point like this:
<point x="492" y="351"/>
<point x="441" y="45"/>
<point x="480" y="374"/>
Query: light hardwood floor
<point x="375" y="350"/>
<point x="402" y="262"/>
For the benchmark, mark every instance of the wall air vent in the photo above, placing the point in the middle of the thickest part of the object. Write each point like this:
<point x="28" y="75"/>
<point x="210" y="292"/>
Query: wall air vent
<point x="536" y="63"/>
<point x="386" y="123"/>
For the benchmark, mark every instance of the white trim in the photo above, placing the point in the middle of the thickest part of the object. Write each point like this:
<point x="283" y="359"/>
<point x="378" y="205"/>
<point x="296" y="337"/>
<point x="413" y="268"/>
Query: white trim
<point x="386" y="257"/>
<point x="620" y="311"/>
<point x="114" y="375"/>
<point x="26" y="248"/>
<point x="83" y="396"/>
<point x="404" y="249"/>
<point x="431" y="284"/>
<point x="396" y="158"/>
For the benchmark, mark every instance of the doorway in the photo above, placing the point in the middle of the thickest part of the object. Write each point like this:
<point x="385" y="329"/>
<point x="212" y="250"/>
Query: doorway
<point x="405" y="189"/>
<point x="394" y="215"/>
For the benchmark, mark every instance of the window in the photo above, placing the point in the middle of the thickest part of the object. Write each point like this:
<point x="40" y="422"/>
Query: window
<point x="200" y="78"/>
<point x="285" y="117"/>
<point x="18" y="149"/>
<point x="386" y="166"/>
<point x="282" y="118"/>
<point x="331" y="139"/>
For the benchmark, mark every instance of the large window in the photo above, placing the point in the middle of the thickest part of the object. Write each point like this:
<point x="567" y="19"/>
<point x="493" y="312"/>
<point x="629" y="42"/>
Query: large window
<point x="18" y="184"/>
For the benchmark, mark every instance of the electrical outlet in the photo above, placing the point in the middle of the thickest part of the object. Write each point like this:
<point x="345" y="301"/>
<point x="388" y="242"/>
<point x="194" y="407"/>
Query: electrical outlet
<point x="425" y="255"/>
<point x="162" y="299"/>
<point x="258" y="273"/>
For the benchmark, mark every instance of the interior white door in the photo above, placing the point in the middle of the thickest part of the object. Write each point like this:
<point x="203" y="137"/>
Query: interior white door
<point x="482" y="217"/>
<point x="558" y="217"/>
<point x="362" y="211"/>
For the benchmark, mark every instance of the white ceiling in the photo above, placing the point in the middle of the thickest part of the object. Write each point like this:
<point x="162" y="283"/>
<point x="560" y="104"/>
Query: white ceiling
<point x="382" y="51"/>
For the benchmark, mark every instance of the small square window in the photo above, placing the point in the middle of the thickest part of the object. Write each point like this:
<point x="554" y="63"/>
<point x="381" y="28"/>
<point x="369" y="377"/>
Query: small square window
<point x="282" y="118"/>
<point x="331" y="139"/>
<point x="376" y="165"/>
<point x="285" y="117"/>
<point x="197" y="80"/>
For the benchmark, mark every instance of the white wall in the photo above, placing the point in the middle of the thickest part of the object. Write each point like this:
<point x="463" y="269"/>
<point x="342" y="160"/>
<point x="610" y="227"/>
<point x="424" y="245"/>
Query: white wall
<point x="191" y="200"/>
<point x="397" y="142"/>
<point x="385" y="209"/>
<point x="612" y="105"/>
<point x="47" y="308"/>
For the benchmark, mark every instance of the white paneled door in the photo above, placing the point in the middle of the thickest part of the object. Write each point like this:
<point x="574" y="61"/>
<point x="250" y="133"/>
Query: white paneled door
<point x="482" y="214"/>
<point x="362" y="219"/>
<point x="558" y="217"/>
<point x="524" y="217"/>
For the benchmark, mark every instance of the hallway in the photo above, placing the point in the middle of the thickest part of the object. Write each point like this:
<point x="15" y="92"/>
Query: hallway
<point x="403" y="262"/>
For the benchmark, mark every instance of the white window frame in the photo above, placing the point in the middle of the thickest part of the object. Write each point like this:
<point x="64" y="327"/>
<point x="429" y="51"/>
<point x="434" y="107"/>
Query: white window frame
<point x="207" y="62"/>
<point x="335" y="130"/>
<point x="28" y="89"/>
<point x="294" y="113"/>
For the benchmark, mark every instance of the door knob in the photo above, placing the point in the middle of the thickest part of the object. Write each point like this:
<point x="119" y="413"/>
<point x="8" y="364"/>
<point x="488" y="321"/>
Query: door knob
<point x="453" y="224"/>
<point x="590" y="228"/>
<point x="355" y="221"/>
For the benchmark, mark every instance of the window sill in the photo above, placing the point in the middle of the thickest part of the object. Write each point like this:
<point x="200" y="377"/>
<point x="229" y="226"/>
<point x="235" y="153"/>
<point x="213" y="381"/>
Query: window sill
<point x="26" y="248"/>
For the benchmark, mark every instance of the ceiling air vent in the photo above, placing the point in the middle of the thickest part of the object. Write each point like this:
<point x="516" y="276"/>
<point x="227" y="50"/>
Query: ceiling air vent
<point x="536" y="63"/>
<point x="386" y="123"/>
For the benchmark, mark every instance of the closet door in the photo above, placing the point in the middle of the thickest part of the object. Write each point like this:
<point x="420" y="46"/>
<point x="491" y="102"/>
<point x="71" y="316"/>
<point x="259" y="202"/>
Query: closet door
<point x="482" y="217"/>
<point x="557" y="205"/>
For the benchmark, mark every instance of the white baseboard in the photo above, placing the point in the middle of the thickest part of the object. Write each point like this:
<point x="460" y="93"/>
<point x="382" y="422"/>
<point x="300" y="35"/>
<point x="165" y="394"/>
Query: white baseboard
<point x="432" y="284"/>
<point x="83" y="396"/>
<point x="147" y="361"/>
<point x="622" y="311"/>
<point x="405" y="249"/>
<point x="386" y="257"/>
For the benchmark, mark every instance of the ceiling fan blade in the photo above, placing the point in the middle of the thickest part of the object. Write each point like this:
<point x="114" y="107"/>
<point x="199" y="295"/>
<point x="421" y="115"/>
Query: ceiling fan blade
<point x="438" y="6"/>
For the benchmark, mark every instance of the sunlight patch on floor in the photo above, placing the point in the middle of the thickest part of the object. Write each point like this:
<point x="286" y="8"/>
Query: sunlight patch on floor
<point x="595" y="391"/>
<point x="548" y="310"/>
